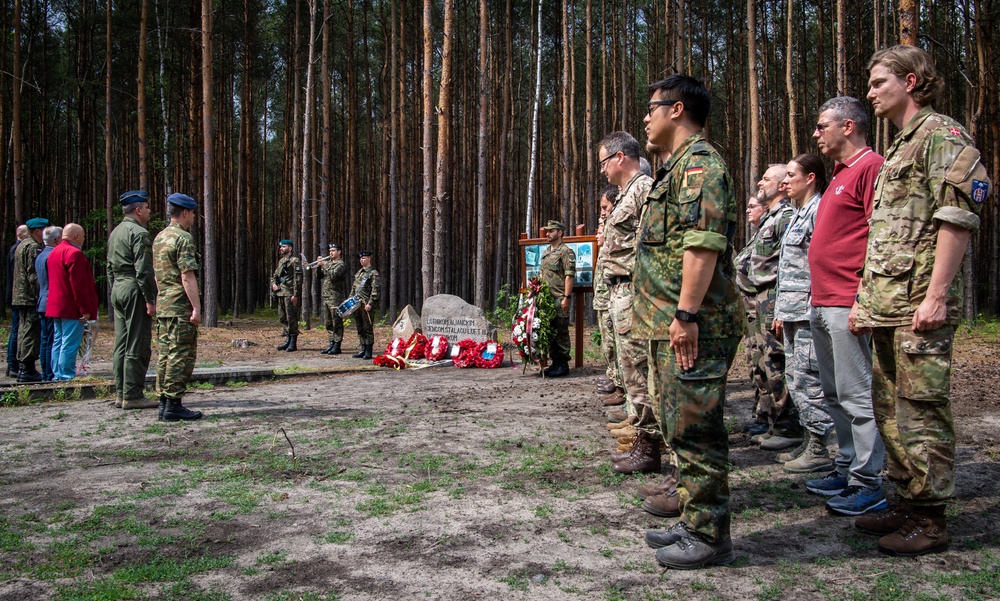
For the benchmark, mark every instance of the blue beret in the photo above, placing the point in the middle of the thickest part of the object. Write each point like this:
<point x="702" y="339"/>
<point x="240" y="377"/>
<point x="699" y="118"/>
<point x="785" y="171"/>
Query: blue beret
<point x="364" y="253"/>
<point x="36" y="223"/>
<point x="133" y="196"/>
<point x="286" y="242"/>
<point x="182" y="200"/>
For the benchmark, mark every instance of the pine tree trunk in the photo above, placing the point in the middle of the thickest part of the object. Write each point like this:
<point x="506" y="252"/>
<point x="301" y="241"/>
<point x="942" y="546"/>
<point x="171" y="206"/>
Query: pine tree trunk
<point x="752" y="83"/>
<point x="427" y="221"/>
<point x="484" y="92"/>
<point x="442" y="187"/>
<point x="210" y="307"/>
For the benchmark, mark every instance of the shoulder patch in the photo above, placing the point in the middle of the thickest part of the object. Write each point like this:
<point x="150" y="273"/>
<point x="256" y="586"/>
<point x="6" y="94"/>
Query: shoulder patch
<point x="692" y="176"/>
<point x="980" y="190"/>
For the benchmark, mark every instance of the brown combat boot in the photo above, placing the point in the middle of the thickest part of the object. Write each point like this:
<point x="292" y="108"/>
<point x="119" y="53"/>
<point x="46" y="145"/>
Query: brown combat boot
<point x="627" y="430"/>
<point x="885" y="522"/>
<point x="606" y="387"/>
<point x="665" y="486"/>
<point x="614" y="398"/>
<point x="140" y="403"/>
<point x="616" y="415"/>
<point x="628" y="421"/>
<point x="644" y="457"/>
<point x="924" y="532"/>
<point x="666" y="505"/>
<point x="625" y="443"/>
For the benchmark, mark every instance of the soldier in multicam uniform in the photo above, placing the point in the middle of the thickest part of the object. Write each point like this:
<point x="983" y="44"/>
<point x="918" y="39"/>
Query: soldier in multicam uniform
<point x="175" y="260"/>
<point x="609" y="383"/>
<point x="928" y="196"/>
<point x="782" y="418"/>
<point x="620" y="164"/>
<point x="334" y="274"/>
<point x="25" y="300"/>
<point x="286" y="285"/>
<point x="805" y="180"/>
<point x="558" y="269"/>
<point x="133" y="298"/>
<point x="748" y="292"/>
<point x="367" y="286"/>
<point x="687" y="305"/>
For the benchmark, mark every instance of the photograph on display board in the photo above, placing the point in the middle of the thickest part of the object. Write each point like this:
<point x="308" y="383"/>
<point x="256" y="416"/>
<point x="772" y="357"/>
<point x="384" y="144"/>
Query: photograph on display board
<point x="584" y="252"/>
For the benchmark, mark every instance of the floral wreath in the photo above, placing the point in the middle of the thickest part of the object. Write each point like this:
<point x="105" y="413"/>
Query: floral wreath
<point x="437" y="347"/>
<point x="533" y="328"/>
<point x="416" y="346"/>
<point x="465" y="357"/>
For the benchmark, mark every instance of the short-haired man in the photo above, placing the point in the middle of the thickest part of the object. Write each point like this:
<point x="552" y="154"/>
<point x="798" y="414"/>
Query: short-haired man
<point x="133" y="298"/>
<point x="687" y="305"/>
<point x="21" y="233"/>
<point x="558" y="269"/>
<point x="72" y="299"/>
<point x="928" y="197"/>
<point x="50" y="237"/>
<point x="286" y="285"/>
<point x="25" y="299"/>
<point x="367" y="287"/>
<point x="334" y="275"/>
<point x="844" y="356"/>
<point x="175" y="259"/>
<point x="748" y="292"/>
<point x="618" y="155"/>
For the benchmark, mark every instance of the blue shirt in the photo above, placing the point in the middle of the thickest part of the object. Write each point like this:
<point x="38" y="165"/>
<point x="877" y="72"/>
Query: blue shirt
<point x="43" y="278"/>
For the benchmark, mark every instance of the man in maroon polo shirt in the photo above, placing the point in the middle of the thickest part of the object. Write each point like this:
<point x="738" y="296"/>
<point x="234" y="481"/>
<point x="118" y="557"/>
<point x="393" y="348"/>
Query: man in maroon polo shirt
<point x="836" y="256"/>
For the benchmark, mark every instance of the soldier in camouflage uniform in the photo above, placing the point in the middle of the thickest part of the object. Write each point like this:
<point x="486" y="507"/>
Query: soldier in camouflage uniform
<point x="334" y="274"/>
<point x="286" y="285"/>
<point x="687" y="305"/>
<point x="367" y="287"/>
<point x="610" y="382"/>
<point x="175" y="260"/>
<point x="748" y="292"/>
<point x="133" y="298"/>
<point x="805" y="180"/>
<point x="25" y="300"/>
<point x="785" y="430"/>
<point x="928" y="196"/>
<point x="618" y="154"/>
<point x="558" y="269"/>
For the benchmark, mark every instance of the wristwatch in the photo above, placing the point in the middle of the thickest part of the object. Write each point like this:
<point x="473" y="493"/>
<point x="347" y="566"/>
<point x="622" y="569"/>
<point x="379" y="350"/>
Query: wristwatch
<point x="686" y="316"/>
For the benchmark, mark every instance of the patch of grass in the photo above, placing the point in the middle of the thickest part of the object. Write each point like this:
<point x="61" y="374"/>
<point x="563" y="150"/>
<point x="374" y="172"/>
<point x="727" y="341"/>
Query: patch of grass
<point x="302" y="596"/>
<point x="169" y="570"/>
<point x="59" y="395"/>
<point x="58" y="415"/>
<point x="202" y="385"/>
<point x="19" y="397"/>
<point x="100" y="590"/>
<point x="273" y="558"/>
<point x="337" y="537"/>
<point x="516" y="580"/>
<point x="543" y="511"/>
<point x="240" y="495"/>
<point x="209" y="364"/>
<point x="102" y="391"/>
<point x="698" y="585"/>
<point x="236" y="384"/>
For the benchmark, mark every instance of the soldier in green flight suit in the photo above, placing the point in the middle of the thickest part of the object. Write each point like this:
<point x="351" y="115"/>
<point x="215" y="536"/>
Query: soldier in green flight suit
<point x="133" y="299"/>
<point x="334" y="274"/>
<point x="367" y="286"/>
<point x="286" y="285"/>
<point x="175" y="259"/>
<point x="25" y="300"/>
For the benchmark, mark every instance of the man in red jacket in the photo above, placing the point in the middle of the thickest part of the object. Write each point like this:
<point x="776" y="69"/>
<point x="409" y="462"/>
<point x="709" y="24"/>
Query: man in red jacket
<point x="72" y="299"/>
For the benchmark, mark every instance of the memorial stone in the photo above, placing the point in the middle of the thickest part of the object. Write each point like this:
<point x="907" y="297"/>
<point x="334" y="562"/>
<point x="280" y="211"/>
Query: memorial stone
<point x="406" y="324"/>
<point x="453" y="317"/>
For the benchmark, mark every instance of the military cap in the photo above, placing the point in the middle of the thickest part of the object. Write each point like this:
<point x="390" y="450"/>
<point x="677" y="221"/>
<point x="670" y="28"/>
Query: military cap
<point x="554" y="225"/>
<point x="285" y="242"/>
<point x="334" y="245"/>
<point x="364" y="253"/>
<point x="133" y="196"/>
<point x="182" y="200"/>
<point x="36" y="223"/>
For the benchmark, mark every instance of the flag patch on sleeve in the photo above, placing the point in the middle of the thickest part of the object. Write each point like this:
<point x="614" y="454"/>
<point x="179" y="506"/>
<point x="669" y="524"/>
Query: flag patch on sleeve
<point x="692" y="177"/>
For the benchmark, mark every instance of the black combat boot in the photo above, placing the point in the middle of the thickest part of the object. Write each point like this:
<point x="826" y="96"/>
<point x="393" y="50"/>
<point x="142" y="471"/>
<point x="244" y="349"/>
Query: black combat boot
<point x="175" y="412"/>
<point x="281" y="347"/>
<point x="28" y="373"/>
<point x="334" y="348"/>
<point x="360" y="354"/>
<point x="291" y="344"/>
<point x="161" y="407"/>
<point x="327" y="350"/>
<point x="368" y="351"/>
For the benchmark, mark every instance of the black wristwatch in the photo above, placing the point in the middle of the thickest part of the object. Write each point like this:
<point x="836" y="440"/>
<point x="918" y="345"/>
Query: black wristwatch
<point x="686" y="316"/>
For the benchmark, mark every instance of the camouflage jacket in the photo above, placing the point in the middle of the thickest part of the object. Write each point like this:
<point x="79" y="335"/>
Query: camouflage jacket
<point x="793" y="302"/>
<point x="174" y="253"/>
<point x="748" y="291"/>
<point x="767" y="246"/>
<point x="691" y="205"/>
<point x="334" y="274"/>
<point x="130" y="257"/>
<point x="602" y="292"/>
<point x="621" y="226"/>
<point x="557" y="263"/>
<point x="932" y="174"/>
<point x="367" y="285"/>
<point x="25" y="276"/>
<point x="288" y="276"/>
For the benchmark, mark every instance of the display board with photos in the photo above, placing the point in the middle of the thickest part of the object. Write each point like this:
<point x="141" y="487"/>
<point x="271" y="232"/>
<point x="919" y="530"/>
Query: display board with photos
<point x="584" y="247"/>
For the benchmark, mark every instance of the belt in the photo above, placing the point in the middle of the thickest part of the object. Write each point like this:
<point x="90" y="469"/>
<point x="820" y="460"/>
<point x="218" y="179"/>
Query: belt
<point x="618" y="279"/>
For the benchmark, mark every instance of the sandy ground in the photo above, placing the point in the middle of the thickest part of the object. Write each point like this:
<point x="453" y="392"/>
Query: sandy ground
<point x="448" y="484"/>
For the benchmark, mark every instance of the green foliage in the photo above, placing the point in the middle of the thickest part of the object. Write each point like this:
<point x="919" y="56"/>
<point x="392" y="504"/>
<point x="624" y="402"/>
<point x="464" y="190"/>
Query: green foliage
<point x="504" y="311"/>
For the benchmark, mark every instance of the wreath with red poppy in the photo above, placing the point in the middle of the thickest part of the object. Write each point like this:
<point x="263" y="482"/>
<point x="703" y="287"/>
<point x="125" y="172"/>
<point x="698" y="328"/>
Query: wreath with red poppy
<point x="488" y="354"/>
<point x="437" y="348"/>
<point x="416" y="346"/>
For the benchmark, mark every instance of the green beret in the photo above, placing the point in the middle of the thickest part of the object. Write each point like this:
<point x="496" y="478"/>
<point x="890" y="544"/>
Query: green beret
<point x="285" y="242"/>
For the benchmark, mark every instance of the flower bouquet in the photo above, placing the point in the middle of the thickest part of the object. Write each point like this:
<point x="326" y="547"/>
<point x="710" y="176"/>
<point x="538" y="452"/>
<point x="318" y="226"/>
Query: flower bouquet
<point x="533" y="328"/>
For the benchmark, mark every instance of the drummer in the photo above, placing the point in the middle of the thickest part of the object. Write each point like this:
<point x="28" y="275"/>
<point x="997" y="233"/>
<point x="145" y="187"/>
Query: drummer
<point x="334" y="275"/>
<point x="366" y="287"/>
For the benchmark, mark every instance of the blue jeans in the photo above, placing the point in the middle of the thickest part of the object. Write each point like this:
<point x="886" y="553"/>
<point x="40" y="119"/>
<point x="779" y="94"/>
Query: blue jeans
<point x="68" y="336"/>
<point x="45" y="355"/>
<point x="12" y="363"/>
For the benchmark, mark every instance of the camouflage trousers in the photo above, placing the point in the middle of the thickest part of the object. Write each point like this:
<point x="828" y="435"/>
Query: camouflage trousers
<point x="363" y="320"/>
<point x="608" y="347"/>
<point x="177" y="344"/>
<point x="911" y="396"/>
<point x="333" y="323"/>
<point x="755" y="374"/>
<point x="29" y="339"/>
<point x="288" y="315"/>
<point x="691" y="405"/>
<point x="802" y="378"/>
<point x="776" y="406"/>
<point x="559" y="353"/>
<point x="633" y="357"/>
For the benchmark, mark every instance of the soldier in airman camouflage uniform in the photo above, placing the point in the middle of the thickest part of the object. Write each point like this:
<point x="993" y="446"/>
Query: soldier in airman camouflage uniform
<point x="133" y="298"/>
<point x="334" y="274"/>
<point x="687" y="305"/>
<point x="286" y="285"/>
<point x="558" y="269"/>
<point x="367" y="286"/>
<point x="25" y="300"/>
<point x="175" y="260"/>
<point x="928" y="196"/>
<point x="610" y="382"/>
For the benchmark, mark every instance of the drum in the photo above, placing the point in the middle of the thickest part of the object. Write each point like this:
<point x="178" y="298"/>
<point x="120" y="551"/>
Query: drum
<point x="349" y="306"/>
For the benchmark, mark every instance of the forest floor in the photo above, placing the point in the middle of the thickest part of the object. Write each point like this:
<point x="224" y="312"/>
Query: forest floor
<point x="433" y="484"/>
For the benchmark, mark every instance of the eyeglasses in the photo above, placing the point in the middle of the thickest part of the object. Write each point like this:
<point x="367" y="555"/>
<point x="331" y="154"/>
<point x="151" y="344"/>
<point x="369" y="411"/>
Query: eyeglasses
<point x="604" y="162"/>
<point x="820" y="127"/>
<point x="655" y="103"/>
<point x="754" y="206"/>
